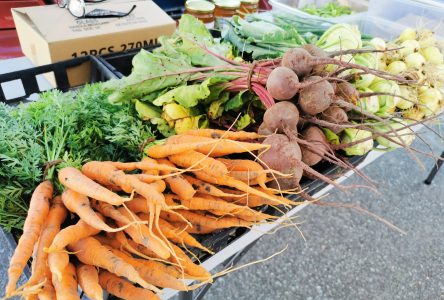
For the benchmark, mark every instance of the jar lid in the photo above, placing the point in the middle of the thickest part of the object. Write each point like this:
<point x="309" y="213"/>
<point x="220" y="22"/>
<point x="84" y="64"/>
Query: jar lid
<point x="250" y="1"/>
<point x="199" y="6"/>
<point x="228" y="4"/>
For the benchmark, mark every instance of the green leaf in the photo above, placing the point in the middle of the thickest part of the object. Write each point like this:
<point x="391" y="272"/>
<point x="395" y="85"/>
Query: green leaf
<point x="243" y="122"/>
<point x="216" y="108"/>
<point x="237" y="101"/>
<point x="146" y="111"/>
<point x="150" y="74"/>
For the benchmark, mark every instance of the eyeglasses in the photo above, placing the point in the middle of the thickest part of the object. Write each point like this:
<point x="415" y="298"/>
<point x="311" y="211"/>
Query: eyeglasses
<point x="78" y="9"/>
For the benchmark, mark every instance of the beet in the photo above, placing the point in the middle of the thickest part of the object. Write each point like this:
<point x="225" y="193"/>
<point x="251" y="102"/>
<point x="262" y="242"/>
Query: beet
<point x="264" y="129"/>
<point x="283" y="156"/>
<point x="314" y="50"/>
<point x="299" y="60"/>
<point x="316" y="97"/>
<point x="347" y="91"/>
<point x="335" y="114"/>
<point x="282" y="83"/>
<point x="282" y="115"/>
<point x="317" y="139"/>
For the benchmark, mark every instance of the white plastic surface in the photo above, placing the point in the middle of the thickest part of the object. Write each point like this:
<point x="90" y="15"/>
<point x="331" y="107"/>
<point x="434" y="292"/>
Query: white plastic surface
<point x="424" y="13"/>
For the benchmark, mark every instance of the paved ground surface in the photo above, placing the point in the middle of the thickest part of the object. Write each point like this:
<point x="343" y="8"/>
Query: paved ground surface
<point x="349" y="255"/>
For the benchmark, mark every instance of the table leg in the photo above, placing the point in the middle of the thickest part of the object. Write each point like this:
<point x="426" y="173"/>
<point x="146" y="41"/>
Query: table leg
<point x="435" y="170"/>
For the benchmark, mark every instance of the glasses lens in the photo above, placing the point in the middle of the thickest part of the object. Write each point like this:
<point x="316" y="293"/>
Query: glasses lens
<point x="77" y="8"/>
<point x="61" y="3"/>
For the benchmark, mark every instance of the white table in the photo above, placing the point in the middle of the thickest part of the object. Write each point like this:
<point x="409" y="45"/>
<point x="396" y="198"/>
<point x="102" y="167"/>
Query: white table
<point x="236" y="246"/>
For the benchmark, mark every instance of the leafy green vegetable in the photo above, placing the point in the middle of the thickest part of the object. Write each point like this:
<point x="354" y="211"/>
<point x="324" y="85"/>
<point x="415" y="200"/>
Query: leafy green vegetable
<point x="331" y="9"/>
<point x="340" y="37"/>
<point x="75" y="126"/>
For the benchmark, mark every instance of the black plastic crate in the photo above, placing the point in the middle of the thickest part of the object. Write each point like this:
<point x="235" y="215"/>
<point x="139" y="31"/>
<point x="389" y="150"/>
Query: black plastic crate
<point x="28" y="78"/>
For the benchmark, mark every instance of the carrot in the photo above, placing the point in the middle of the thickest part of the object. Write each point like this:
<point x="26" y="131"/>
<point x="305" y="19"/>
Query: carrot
<point x="66" y="287"/>
<point x="175" y="235"/>
<point x="222" y="148"/>
<point x="177" y="183"/>
<point x="88" y="278"/>
<point x="79" y="204"/>
<point x="165" y="150"/>
<point x="57" y="213"/>
<point x="144" y="165"/>
<point x="123" y="289"/>
<point x="57" y="262"/>
<point x="196" y="229"/>
<point x="231" y="182"/>
<point x="207" y="188"/>
<point x="246" y="170"/>
<point x="150" y="171"/>
<point x="212" y="203"/>
<point x="78" y="182"/>
<point x="144" y="236"/>
<point x="152" y="272"/>
<point x="195" y="159"/>
<point x="137" y="205"/>
<point x="90" y="251"/>
<point x="47" y="292"/>
<point x="217" y="134"/>
<point x="189" y="267"/>
<point x="206" y="220"/>
<point x="254" y="201"/>
<point x="37" y="213"/>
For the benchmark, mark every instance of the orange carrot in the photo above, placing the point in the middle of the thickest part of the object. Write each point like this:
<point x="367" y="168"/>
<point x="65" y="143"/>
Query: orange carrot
<point x="66" y="288"/>
<point x="142" y="235"/>
<point x="57" y="213"/>
<point x="217" y="134"/>
<point x="138" y="204"/>
<point x="165" y="150"/>
<point x="152" y="272"/>
<point x="196" y="229"/>
<point x="88" y="278"/>
<point x="123" y="289"/>
<point x="231" y="182"/>
<point x="78" y="182"/>
<point x="189" y="267"/>
<point x="106" y="173"/>
<point x="90" y="251"/>
<point x="207" y="188"/>
<point x="48" y="291"/>
<point x="37" y="213"/>
<point x="71" y="234"/>
<point x="175" y="235"/>
<point x="222" y="148"/>
<point x="198" y="160"/>
<point x="57" y="262"/>
<point x="144" y="165"/>
<point x="206" y="220"/>
<point x="177" y="183"/>
<point x="216" y="204"/>
<point x="252" y="170"/>
<point x="254" y="201"/>
<point x="79" y="204"/>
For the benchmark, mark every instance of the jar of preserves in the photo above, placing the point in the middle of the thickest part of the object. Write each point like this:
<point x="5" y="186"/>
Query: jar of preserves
<point x="249" y="6"/>
<point x="226" y="8"/>
<point x="201" y="9"/>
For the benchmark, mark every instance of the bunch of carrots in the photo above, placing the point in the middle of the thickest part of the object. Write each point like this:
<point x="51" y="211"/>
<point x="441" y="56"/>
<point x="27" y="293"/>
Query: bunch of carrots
<point x="136" y="219"/>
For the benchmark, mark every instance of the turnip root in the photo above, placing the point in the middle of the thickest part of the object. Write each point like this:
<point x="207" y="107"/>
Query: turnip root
<point x="317" y="139"/>
<point x="282" y="83"/>
<point x="317" y="97"/>
<point x="282" y="115"/>
<point x="283" y="156"/>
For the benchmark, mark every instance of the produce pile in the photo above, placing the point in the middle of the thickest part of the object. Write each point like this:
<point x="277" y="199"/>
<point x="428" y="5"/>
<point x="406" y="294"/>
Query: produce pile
<point x="119" y="213"/>
<point x="328" y="10"/>
<point x="203" y="134"/>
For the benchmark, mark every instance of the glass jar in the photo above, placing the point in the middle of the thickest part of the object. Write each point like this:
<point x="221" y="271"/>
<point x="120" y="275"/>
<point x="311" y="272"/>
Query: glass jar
<point x="226" y="8"/>
<point x="201" y="9"/>
<point x="249" y="6"/>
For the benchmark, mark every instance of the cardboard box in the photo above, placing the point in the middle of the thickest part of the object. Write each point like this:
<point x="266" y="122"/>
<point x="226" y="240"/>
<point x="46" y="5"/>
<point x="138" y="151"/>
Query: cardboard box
<point x="49" y="33"/>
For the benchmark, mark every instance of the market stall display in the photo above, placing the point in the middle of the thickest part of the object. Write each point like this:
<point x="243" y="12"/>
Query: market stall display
<point x="203" y="135"/>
